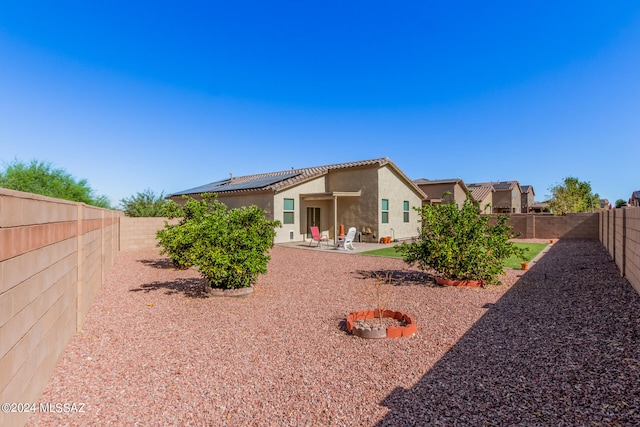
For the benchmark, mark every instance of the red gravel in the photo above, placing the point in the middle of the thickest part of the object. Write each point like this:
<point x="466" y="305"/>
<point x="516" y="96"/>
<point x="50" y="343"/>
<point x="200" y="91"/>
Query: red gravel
<point x="558" y="346"/>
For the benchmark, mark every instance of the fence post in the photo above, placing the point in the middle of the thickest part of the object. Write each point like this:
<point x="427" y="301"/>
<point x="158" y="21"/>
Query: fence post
<point x="614" y="235"/>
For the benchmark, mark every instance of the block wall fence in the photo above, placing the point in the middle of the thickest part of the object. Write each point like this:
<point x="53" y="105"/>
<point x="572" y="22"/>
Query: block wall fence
<point x="54" y="256"/>
<point x="545" y="226"/>
<point x="619" y="233"/>
<point x="140" y="233"/>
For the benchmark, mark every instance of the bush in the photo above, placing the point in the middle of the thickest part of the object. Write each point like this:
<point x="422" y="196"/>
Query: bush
<point x="460" y="244"/>
<point x="145" y="204"/>
<point x="43" y="178"/>
<point x="229" y="247"/>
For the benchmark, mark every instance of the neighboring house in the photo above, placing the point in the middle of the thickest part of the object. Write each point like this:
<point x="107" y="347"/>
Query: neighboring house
<point x="483" y="195"/>
<point x="635" y="199"/>
<point x="443" y="190"/>
<point x="506" y="196"/>
<point x="604" y="204"/>
<point x="527" y="198"/>
<point x="374" y="196"/>
<point x="539" y="207"/>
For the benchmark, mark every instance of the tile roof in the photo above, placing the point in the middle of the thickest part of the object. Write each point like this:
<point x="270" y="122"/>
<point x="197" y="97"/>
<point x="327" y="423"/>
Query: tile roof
<point x="276" y="181"/>
<point x="437" y="181"/>
<point x="453" y="181"/>
<point x="635" y="195"/>
<point x="498" y="186"/>
<point x="526" y="188"/>
<point x="480" y="192"/>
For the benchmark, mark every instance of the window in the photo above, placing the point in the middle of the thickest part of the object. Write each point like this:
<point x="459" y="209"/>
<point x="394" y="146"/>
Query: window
<point x="288" y="215"/>
<point x="405" y="213"/>
<point x="385" y="211"/>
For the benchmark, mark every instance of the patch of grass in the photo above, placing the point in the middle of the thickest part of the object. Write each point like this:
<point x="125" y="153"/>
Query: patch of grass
<point x="532" y="249"/>
<point x="388" y="252"/>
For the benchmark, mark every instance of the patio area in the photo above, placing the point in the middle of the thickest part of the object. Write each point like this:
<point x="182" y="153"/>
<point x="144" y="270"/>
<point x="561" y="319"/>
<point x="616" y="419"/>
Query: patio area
<point x="556" y="345"/>
<point x="331" y="247"/>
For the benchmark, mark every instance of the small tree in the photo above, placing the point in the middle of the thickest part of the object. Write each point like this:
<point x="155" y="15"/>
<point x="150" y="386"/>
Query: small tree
<point x="460" y="244"/>
<point x="620" y="203"/>
<point x="145" y="204"/>
<point x="42" y="178"/>
<point x="229" y="247"/>
<point x="573" y="196"/>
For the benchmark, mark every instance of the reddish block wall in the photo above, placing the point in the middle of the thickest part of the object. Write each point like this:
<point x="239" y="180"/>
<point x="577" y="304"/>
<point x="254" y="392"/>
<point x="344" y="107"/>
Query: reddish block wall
<point x="572" y="226"/>
<point x="54" y="255"/>
<point x="619" y="231"/>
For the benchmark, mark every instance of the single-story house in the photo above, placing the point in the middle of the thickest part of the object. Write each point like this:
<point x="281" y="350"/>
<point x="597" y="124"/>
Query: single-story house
<point x="443" y="190"/>
<point x="374" y="196"/>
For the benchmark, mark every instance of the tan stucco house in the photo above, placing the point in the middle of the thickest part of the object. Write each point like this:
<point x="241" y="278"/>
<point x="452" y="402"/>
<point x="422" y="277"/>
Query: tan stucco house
<point x="483" y="195"/>
<point x="506" y="195"/>
<point x="443" y="190"/>
<point x="374" y="196"/>
<point x="527" y="198"/>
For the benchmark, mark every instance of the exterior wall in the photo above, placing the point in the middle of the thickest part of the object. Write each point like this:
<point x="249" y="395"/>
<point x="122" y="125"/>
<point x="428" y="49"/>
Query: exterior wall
<point x="502" y="200"/>
<point x="437" y="191"/>
<point x="516" y="201"/>
<point x="54" y="255"/>
<point x="299" y="227"/>
<point x="507" y="201"/>
<point x="459" y="195"/>
<point x="263" y="201"/>
<point x="620" y="235"/>
<point x="526" y="200"/>
<point x="486" y="204"/>
<point x="394" y="188"/>
<point x="359" y="212"/>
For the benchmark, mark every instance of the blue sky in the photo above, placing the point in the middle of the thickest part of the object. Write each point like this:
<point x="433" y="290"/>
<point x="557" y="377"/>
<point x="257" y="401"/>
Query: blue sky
<point x="173" y="95"/>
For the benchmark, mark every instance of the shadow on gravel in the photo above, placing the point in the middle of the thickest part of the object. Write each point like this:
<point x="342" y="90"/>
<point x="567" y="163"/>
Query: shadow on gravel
<point x="401" y="277"/>
<point x="562" y="347"/>
<point x="162" y="263"/>
<point x="191" y="287"/>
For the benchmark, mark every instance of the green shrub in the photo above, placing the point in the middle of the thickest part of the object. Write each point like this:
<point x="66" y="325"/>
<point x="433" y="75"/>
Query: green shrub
<point x="145" y="204"/>
<point x="229" y="247"/>
<point x="43" y="178"/>
<point x="460" y="244"/>
<point x="177" y="240"/>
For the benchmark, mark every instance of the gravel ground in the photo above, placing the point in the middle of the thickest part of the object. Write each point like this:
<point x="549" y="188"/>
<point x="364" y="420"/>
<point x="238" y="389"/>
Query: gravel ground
<point x="556" y="345"/>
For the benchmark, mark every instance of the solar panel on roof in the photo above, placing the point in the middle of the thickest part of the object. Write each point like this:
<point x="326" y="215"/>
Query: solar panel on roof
<point x="203" y="188"/>
<point x="256" y="183"/>
<point x="228" y="185"/>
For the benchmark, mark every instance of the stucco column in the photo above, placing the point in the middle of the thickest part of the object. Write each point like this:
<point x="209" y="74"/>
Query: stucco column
<point x="335" y="220"/>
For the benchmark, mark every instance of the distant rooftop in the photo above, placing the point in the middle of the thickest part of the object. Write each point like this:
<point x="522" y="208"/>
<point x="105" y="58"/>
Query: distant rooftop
<point x="498" y="186"/>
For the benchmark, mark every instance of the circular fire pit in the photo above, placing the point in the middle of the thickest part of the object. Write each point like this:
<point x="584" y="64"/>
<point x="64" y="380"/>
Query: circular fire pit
<point x="235" y="293"/>
<point x="468" y="283"/>
<point x="368" y="324"/>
